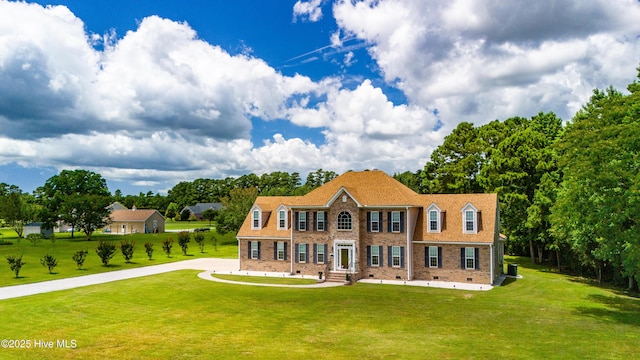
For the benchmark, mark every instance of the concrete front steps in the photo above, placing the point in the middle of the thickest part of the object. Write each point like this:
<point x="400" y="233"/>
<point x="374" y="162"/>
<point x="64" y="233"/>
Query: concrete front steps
<point x="338" y="277"/>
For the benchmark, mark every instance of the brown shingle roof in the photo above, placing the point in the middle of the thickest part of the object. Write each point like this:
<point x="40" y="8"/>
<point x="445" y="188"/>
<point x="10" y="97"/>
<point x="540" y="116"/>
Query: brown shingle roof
<point x="131" y="215"/>
<point x="452" y="205"/>
<point x="268" y="205"/>
<point x="369" y="188"/>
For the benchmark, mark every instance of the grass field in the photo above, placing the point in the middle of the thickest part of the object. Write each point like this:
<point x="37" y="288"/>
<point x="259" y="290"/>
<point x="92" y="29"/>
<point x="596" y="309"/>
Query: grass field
<point x="180" y="225"/>
<point x="266" y="279"/>
<point x="64" y="247"/>
<point x="179" y="316"/>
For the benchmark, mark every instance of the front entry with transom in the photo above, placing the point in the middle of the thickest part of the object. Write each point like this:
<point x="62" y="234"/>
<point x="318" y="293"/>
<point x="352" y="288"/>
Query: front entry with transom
<point x="345" y="255"/>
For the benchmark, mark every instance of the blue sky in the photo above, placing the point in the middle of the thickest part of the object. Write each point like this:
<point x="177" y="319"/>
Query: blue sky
<point x="150" y="93"/>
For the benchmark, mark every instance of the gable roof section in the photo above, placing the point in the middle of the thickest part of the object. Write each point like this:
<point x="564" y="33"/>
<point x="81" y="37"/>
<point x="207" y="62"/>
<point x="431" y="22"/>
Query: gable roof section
<point x="451" y="205"/>
<point x="368" y="188"/>
<point x="138" y="215"/>
<point x="268" y="205"/>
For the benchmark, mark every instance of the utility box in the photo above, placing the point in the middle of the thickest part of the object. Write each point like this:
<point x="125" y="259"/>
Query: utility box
<point x="512" y="269"/>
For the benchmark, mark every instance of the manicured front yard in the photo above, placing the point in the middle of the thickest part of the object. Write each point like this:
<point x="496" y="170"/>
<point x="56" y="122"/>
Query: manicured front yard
<point x="179" y="316"/>
<point x="64" y="247"/>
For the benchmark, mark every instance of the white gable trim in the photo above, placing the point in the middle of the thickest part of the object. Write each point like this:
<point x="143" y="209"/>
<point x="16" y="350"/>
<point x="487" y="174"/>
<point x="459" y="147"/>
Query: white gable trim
<point x="338" y="194"/>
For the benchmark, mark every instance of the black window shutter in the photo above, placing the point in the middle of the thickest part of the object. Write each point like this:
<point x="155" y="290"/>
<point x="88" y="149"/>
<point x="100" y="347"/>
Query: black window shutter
<point x="368" y="221"/>
<point x="462" y="258"/>
<point x="401" y="221"/>
<point x="306" y="220"/>
<point x="315" y="253"/>
<point x="440" y="257"/>
<point x="306" y="253"/>
<point x="477" y="256"/>
<point x="381" y="256"/>
<point x="297" y="217"/>
<point x="297" y="252"/>
<point x="285" y="251"/>
<point x="249" y="242"/>
<point x="315" y="221"/>
<point x="380" y="221"/>
<point x="402" y="257"/>
<point x="326" y="250"/>
<point x="389" y="221"/>
<point x="368" y="255"/>
<point x="426" y="256"/>
<point x="275" y="250"/>
<point x="258" y="250"/>
<point x="390" y="255"/>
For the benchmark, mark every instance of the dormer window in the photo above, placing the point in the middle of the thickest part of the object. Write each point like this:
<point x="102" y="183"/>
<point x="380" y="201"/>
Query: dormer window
<point x="282" y="218"/>
<point x="257" y="215"/>
<point x="433" y="219"/>
<point x="469" y="219"/>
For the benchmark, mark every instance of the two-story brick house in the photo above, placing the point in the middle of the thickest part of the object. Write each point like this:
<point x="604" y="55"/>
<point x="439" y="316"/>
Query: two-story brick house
<point x="371" y="226"/>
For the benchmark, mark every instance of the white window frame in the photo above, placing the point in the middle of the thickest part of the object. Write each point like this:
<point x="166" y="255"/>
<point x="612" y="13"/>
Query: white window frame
<point x="375" y="256"/>
<point x="302" y="253"/>
<point x="302" y="221"/>
<point x="280" y="250"/>
<point x="256" y="216"/>
<point x="438" y="218"/>
<point x="320" y="252"/>
<point x="433" y="255"/>
<point x="282" y="219"/>
<point x="395" y="256"/>
<point x="320" y="223"/>
<point x="469" y="210"/>
<point x="375" y="223"/>
<point x="341" y="224"/>
<point x="470" y="258"/>
<point x="255" y="252"/>
<point x="395" y="222"/>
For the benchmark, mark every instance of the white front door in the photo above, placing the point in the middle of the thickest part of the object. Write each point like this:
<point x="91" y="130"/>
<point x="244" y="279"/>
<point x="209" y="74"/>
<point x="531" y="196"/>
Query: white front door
<point x="345" y="255"/>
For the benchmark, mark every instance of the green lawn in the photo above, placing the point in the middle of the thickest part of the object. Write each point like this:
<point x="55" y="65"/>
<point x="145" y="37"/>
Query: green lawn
<point x="179" y="316"/>
<point x="266" y="279"/>
<point x="180" y="225"/>
<point x="64" y="248"/>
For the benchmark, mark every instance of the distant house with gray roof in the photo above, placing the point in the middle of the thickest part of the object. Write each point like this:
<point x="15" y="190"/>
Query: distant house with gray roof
<point x="199" y="208"/>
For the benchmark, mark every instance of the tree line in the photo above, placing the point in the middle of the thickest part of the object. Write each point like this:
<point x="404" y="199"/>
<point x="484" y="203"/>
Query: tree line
<point x="569" y="195"/>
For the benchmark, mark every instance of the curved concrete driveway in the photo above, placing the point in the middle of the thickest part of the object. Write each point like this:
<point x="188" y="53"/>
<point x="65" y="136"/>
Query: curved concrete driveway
<point x="208" y="265"/>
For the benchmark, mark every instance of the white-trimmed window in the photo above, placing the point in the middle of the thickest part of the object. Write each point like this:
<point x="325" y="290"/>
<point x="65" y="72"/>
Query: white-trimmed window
<point x="375" y="256"/>
<point x="469" y="219"/>
<point x="470" y="258"/>
<point x="374" y="221"/>
<point x="395" y="256"/>
<point x="434" y="223"/>
<point x="395" y="221"/>
<point x="256" y="220"/>
<point x="344" y="221"/>
<point x="255" y="250"/>
<point x="434" y="219"/>
<point x="320" y="256"/>
<point x="320" y="221"/>
<point x="280" y="251"/>
<point x="282" y="219"/>
<point x="433" y="256"/>
<point x="302" y="220"/>
<point x="302" y="253"/>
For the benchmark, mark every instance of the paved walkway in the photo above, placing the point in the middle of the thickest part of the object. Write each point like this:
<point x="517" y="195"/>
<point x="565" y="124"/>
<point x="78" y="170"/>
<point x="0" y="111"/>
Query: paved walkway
<point x="80" y="281"/>
<point x="209" y="267"/>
